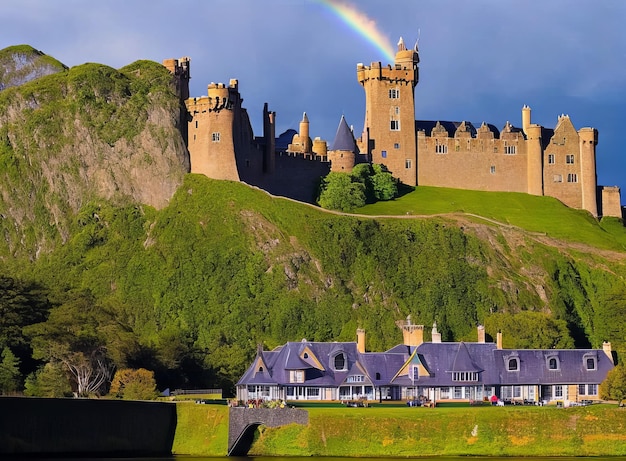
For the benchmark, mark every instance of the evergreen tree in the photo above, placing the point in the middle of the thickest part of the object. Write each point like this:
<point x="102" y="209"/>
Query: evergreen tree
<point x="10" y="376"/>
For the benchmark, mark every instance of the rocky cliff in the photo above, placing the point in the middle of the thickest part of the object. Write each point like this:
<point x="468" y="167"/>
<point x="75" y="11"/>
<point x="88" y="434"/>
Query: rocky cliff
<point x="70" y="136"/>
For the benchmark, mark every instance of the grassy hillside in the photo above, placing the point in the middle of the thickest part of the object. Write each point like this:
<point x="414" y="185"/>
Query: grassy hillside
<point x="225" y="267"/>
<point x="544" y="215"/>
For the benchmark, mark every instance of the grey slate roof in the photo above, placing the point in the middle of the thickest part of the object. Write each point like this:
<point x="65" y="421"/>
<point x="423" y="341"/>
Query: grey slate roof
<point x="441" y="360"/>
<point x="344" y="139"/>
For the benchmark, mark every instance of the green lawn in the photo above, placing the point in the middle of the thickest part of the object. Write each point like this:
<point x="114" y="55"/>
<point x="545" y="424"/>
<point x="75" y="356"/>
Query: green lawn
<point x="536" y="214"/>
<point x="598" y="430"/>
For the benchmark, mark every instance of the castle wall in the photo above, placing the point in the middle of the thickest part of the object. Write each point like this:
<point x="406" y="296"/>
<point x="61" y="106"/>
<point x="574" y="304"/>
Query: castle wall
<point x="610" y="205"/>
<point x="471" y="163"/>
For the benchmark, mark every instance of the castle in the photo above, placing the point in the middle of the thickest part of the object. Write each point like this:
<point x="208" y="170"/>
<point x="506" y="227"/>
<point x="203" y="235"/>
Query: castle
<point x="559" y="162"/>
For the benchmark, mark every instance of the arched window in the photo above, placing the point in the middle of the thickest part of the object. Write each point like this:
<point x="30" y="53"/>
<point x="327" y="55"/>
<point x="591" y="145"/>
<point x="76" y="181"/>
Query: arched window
<point x="305" y="355"/>
<point x="340" y="361"/>
<point x="260" y="369"/>
<point x="377" y="376"/>
<point x="591" y="363"/>
<point x="513" y="364"/>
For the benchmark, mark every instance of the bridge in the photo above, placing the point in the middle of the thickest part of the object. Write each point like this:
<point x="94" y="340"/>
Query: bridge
<point x="242" y="422"/>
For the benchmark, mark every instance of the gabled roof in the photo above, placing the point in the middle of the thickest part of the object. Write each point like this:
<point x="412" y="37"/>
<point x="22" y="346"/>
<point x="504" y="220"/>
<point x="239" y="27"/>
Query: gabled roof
<point x="463" y="360"/>
<point x="451" y="127"/>
<point x="442" y="359"/>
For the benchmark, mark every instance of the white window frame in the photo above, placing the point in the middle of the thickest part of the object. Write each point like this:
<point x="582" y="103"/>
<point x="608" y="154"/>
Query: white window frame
<point x="572" y="177"/>
<point x="441" y="148"/>
<point x="569" y="159"/>
<point x="550" y="159"/>
<point x="215" y="136"/>
<point x="394" y="125"/>
<point x="394" y="93"/>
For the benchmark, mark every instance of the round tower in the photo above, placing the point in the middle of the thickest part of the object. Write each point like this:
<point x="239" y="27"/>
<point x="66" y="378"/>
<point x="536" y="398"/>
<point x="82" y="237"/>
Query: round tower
<point x="588" y="138"/>
<point x="534" y="154"/>
<point x="525" y="118"/>
<point x="304" y="134"/>
<point x="342" y="154"/>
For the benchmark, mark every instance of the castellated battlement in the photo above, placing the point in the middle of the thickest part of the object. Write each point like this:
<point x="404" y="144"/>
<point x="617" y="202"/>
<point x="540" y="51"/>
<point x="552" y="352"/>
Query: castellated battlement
<point x="399" y="74"/>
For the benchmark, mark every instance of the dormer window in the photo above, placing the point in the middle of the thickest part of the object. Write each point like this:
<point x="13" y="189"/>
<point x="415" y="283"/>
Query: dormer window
<point x="260" y="369"/>
<point x="590" y="363"/>
<point x="340" y="362"/>
<point x="305" y="355"/>
<point x="552" y="362"/>
<point x="513" y="364"/>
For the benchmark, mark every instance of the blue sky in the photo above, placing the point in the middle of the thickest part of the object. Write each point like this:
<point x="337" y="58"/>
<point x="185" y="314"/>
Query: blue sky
<point x="481" y="60"/>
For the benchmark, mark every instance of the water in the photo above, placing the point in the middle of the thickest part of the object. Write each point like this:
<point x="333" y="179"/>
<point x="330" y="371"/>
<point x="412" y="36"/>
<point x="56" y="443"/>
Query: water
<point x="323" y="458"/>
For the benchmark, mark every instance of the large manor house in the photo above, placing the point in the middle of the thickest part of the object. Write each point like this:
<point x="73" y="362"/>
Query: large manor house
<point x="559" y="162"/>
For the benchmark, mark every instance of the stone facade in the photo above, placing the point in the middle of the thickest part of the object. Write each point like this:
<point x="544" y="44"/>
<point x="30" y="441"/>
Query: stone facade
<point x="559" y="162"/>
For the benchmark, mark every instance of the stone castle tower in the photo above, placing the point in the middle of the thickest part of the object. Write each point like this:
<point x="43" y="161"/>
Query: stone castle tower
<point x="389" y="128"/>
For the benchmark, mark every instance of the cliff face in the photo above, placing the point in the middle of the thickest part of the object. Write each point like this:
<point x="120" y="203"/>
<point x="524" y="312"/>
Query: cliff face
<point x="80" y="135"/>
<point x="22" y="63"/>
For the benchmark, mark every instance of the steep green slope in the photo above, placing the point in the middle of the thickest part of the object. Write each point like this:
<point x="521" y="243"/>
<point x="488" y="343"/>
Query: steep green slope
<point x="224" y="267"/>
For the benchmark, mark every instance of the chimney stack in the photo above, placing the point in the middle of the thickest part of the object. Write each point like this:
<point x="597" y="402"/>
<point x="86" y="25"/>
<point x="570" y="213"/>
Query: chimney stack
<point x="413" y="335"/>
<point x="606" y="347"/>
<point x="481" y="334"/>
<point x="360" y="340"/>
<point x="499" y="340"/>
<point x="436" y="336"/>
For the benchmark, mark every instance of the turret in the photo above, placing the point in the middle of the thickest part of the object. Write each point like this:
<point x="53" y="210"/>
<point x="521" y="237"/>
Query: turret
<point x="534" y="160"/>
<point x="342" y="154"/>
<point x="588" y="138"/>
<point x="304" y="134"/>
<point x="269" y="136"/>
<point x="525" y="118"/>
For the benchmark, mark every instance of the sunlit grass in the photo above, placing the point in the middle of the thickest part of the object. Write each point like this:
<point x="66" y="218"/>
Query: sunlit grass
<point x="545" y="215"/>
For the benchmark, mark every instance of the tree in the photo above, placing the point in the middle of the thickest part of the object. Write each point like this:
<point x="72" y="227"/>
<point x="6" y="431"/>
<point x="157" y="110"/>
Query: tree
<point x="530" y="330"/>
<point x="339" y="192"/>
<point x="130" y="384"/>
<point x="21" y="304"/>
<point x="49" y="381"/>
<point x="75" y="336"/>
<point x="10" y="376"/>
<point x="614" y="385"/>
<point x="384" y="185"/>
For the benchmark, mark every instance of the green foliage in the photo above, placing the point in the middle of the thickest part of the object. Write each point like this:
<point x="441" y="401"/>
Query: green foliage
<point x="189" y="291"/>
<point x="130" y="384"/>
<point x="10" y="376"/>
<point x="338" y="191"/>
<point x="529" y="330"/>
<point x="48" y="381"/>
<point x="21" y="304"/>
<point x="614" y="386"/>
<point x="365" y="184"/>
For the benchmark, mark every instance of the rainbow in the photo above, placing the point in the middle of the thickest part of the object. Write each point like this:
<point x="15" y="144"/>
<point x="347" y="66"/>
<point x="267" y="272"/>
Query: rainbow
<point x="363" y="25"/>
